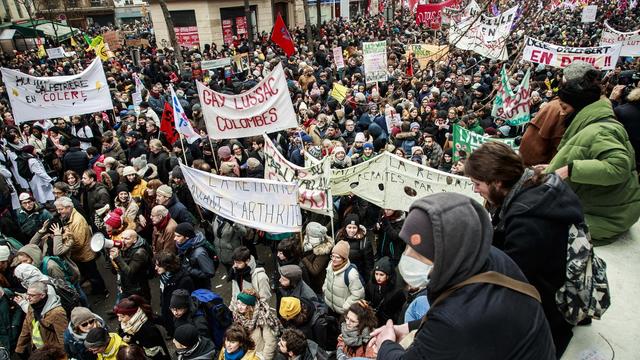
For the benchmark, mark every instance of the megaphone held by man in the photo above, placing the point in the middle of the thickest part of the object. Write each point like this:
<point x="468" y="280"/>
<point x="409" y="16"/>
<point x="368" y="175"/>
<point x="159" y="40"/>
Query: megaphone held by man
<point x="99" y="242"/>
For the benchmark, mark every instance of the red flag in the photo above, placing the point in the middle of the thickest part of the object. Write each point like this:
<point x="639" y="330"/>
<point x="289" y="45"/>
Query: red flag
<point x="410" y="66"/>
<point x="280" y="35"/>
<point x="167" y="125"/>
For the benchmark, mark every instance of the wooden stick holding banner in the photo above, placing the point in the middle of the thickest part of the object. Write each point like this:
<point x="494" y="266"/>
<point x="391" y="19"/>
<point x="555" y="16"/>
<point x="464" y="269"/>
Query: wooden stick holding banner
<point x="184" y="153"/>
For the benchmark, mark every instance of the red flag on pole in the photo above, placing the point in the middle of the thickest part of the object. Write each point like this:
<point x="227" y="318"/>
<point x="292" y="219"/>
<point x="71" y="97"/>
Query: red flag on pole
<point x="167" y="125"/>
<point x="410" y="65"/>
<point x="280" y="35"/>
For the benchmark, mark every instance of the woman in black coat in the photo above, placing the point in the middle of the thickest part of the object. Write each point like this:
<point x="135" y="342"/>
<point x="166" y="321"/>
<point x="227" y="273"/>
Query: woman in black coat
<point x="137" y="327"/>
<point x="361" y="250"/>
<point x="172" y="277"/>
<point x="385" y="291"/>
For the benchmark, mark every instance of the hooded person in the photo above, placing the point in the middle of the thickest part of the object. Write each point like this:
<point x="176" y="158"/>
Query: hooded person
<point x="53" y="266"/>
<point x="384" y="292"/>
<point x="190" y="345"/>
<point x="448" y="239"/>
<point x="192" y="249"/>
<point x="81" y="322"/>
<point x="316" y="249"/>
<point x="103" y="344"/>
<point x="291" y="283"/>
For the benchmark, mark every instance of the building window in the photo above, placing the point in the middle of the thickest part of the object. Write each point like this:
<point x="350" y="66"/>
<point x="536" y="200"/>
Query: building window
<point x="73" y="3"/>
<point x="96" y="3"/>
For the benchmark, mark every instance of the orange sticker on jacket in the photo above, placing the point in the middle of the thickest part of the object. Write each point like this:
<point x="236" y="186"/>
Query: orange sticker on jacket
<point x="415" y="239"/>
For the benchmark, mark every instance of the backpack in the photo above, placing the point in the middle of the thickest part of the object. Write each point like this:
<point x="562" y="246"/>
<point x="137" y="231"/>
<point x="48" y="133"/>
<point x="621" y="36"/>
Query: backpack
<point x="13" y="244"/>
<point x="346" y="275"/>
<point x="69" y="297"/>
<point x="211" y="251"/>
<point x="585" y="293"/>
<point x="324" y="326"/>
<point x="24" y="170"/>
<point x="212" y="307"/>
<point x="66" y="270"/>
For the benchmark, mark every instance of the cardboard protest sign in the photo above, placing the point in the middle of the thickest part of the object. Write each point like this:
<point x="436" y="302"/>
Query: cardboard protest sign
<point x="392" y="182"/>
<point x="34" y="98"/>
<point x="468" y="141"/>
<point x="425" y="53"/>
<point x="589" y="13"/>
<point x="265" y="108"/>
<point x="113" y="39"/>
<point x="56" y="53"/>
<point x="215" y="64"/>
<point x="265" y="205"/>
<point x="601" y="57"/>
<point x="338" y="58"/>
<point x="313" y="182"/>
<point x="630" y="41"/>
<point x="513" y="105"/>
<point x="375" y="61"/>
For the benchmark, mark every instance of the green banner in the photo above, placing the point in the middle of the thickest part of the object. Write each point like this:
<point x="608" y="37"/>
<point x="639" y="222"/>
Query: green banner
<point x="468" y="141"/>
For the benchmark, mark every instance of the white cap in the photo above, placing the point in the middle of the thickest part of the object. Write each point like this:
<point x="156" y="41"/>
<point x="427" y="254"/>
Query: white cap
<point x="4" y="253"/>
<point x="24" y="196"/>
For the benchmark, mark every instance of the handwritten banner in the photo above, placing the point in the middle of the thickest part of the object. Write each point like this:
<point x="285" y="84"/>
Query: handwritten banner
<point x="35" y="98"/>
<point x="468" y="141"/>
<point x="431" y="14"/>
<point x="425" y="53"/>
<point x="313" y="181"/>
<point x="260" y="204"/>
<point x="601" y="57"/>
<point x="486" y="37"/>
<point x="630" y="41"/>
<point x="265" y="108"/>
<point x="589" y="14"/>
<point x="375" y="61"/>
<point x="513" y="105"/>
<point x="338" y="58"/>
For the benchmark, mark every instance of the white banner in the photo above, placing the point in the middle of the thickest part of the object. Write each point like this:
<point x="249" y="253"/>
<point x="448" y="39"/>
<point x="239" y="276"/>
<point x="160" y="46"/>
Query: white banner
<point x="602" y="57"/>
<point x="630" y="41"/>
<point x="589" y="13"/>
<point x="265" y="108"/>
<point x="313" y="181"/>
<point x="344" y="9"/>
<point x="375" y="61"/>
<point x="487" y="39"/>
<point x="215" y="64"/>
<point x="392" y="182"/>
<point x="338" y="58"/>
<point x="56" y="53"/>
<point x="260" y="204"/>
<point x="35" y="98"/>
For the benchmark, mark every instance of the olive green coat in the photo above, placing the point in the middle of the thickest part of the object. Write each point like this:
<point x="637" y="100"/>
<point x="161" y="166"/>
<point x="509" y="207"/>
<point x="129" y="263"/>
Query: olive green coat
<point x="603" y="173"/>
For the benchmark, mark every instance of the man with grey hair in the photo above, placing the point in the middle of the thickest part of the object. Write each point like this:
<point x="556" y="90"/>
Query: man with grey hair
<point x="164" y="228"/>
<point x="73" y="238"/>
<point x="540" y="141"/>
<point x="45" y="322"/>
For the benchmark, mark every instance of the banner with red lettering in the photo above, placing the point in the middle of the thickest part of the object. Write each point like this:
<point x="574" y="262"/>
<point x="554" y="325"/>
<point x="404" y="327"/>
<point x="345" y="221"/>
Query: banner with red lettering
<point x="265" y="108"/>
<point x="35" y="98"/>
<point x="431" y="14"/>
<point x="601" y="57"/>
<point x="630" y="40"/>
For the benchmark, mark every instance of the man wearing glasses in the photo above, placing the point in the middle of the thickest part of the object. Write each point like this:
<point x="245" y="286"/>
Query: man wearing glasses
<point x="31" y="216"/>
<point x="45" y="322"/>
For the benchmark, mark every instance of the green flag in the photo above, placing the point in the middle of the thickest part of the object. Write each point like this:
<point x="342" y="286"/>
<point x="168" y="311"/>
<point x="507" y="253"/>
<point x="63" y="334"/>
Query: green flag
<point x="87" y="39"/>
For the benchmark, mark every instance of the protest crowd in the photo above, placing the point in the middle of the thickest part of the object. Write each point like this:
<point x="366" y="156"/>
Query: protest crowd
<point x="427" y="209"/>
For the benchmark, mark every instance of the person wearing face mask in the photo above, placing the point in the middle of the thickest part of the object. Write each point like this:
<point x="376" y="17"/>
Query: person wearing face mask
<point x="448" y="239"/>
<point x="192" y="346"/>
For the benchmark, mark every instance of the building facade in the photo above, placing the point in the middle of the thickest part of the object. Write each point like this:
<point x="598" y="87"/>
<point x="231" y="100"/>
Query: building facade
<point x="130" y="11"/>
<point x="13" y="10"/>
<point x="77" y="13"/>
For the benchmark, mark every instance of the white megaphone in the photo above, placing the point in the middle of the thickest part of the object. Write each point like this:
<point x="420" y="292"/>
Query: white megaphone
<point x="99" y="242"/>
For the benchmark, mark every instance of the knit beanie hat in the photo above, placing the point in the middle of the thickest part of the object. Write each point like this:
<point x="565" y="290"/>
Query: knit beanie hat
<point x="291" y="272"/>
<point x="352" y="219"/>
<point x="139" y="162"/>
<point x="415" y="149"/>
<point x="97" y="337"/>
<point x="180" y="299"/>
<point x="360" y="137"/>
<point x="122" y="187"/>
<point x="224" y="152"/>
<point x="128" y="170"/>
<point x="126" y="307"/>
<point x="384" y="265"/>
<point x="114" y="219"/>
<point x="368" y="146"/>
<point x="185" y="229"/>
<point x="289" y="307"/>
<point x="247" y="299"/>
<point x="80" y="314"/>
<point x="417" y="232"/>
<point x="342" y="248"/>
<point x="338" y="149"/>
<point x="414" y="125"/>
<point x="164" y="190"/>
<point x="176" y="173"/>
<point x="315" y="233"/>
<point x="4" y="253"/>
<point x="187" y="335"/>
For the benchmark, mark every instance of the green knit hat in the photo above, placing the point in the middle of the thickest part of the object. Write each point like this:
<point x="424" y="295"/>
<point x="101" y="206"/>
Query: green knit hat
<point x="247" y="299"/>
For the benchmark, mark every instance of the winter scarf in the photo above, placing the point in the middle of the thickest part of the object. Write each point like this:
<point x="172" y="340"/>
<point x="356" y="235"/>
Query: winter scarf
<point x="163" y="224"/>
<point x="353" y="338"/>
<point x="262" y="317"/>
<point x="235" y="356"/>
<point x="182" y="248"/>
<point x="134" y="324"/>
<point x="38" y="307"/>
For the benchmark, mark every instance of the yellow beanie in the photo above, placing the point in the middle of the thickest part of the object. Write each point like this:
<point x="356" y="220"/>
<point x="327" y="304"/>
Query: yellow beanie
<point x="289" y="307"/>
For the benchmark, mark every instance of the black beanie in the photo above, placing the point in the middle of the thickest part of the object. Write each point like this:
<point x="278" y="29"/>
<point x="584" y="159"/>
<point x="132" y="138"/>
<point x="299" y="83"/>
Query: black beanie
<point x="122" y="187"/>
<point x="185" y="229"/>
<point x="417" y="232"/>
<point x="180" y="299"/>
<point x="97" y="337"/>
<point x="187" y="335"/>
<point x="352" y="219"/>
<point x="582" y="91"/>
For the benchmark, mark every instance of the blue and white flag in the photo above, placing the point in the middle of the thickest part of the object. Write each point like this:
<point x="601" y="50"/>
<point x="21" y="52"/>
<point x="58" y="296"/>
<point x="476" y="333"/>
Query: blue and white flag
<point x="183" y="126"/>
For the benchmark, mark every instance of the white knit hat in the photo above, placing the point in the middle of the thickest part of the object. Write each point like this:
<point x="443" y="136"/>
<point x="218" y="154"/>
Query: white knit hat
<point x="4" y="253"/>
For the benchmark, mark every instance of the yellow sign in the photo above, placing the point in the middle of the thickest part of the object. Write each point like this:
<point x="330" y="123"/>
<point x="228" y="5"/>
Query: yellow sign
<point x="339" y="92"/>
<point x="41" y="51"/>
<point x="425" y="53"/>
<point x="102" y="50"/>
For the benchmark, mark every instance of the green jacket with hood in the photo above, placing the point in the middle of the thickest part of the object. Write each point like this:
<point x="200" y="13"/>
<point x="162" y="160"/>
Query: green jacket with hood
<point x="603" y="173"/>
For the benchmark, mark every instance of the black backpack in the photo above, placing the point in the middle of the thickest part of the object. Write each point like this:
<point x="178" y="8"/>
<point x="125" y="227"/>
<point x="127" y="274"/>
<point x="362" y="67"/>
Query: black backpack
<point x="23" y="167"/>
<point x="69" y="297"/>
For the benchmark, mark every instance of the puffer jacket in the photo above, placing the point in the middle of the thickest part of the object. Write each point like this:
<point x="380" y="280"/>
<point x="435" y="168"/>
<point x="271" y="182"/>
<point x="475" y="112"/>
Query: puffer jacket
<point x="360" y="251"/>
<point x="603" y="173"/>
<point x="228" y="236"/>
<point x="314" y="264"/>
<point x="337" y="295"/>
<point x="196" y="261"/>
<point x="179" y="212"/>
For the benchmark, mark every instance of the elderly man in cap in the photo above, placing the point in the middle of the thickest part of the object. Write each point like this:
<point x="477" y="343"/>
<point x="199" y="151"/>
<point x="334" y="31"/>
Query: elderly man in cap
<point x="179" y="212"/>
<point x="31" y="215"/>
<point x="448" y="240"/>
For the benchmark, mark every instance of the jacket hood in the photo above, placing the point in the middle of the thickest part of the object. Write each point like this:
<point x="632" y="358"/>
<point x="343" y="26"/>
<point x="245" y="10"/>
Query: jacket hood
<point x="462" y="235"/>
<point x="591" y="113"/>
<point x="34" y="252"/>
<point x="53" y="301"/>
<point x="324" y="248"/>
<point x="28" y="274"/>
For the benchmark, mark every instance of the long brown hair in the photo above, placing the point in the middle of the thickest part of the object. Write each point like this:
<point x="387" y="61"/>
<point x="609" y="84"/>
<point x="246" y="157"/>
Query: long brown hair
<point x="495" y="162"/>
<point x="237" y="332"/>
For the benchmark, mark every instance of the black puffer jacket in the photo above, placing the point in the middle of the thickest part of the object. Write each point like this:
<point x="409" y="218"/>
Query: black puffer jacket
<point x="532" y="228"/>
<point x="360" y="252"/>
<point x="179" y="280"/>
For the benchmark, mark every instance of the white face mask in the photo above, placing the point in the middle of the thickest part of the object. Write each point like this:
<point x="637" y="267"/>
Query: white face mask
<point x="414" y="272"/>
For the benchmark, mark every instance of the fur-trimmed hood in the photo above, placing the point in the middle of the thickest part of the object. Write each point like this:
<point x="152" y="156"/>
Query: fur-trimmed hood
<point x="324" y="248"/>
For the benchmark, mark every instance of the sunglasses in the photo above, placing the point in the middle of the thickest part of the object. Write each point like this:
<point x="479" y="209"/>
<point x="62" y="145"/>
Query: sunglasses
<point x="88" y="322"/>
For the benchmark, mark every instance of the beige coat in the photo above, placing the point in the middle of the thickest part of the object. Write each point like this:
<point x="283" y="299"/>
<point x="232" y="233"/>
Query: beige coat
<point x="266" y="342"/>
<point x="337" y="295"/>
<point x="76" y="240"/>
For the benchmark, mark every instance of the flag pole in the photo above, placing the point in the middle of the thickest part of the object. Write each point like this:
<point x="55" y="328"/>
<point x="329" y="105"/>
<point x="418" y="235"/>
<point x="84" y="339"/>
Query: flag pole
<point x="213" y="153"/>
<point x="184" y="154"/>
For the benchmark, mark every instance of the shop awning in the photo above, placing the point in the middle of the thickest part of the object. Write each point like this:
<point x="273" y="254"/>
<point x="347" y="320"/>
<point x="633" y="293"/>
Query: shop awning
<point x="55" y="30"/>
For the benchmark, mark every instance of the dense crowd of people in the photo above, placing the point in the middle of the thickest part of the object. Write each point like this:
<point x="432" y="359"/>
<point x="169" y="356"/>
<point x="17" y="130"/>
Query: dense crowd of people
<point x="372" y="282"/>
